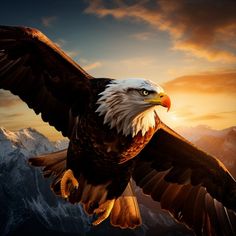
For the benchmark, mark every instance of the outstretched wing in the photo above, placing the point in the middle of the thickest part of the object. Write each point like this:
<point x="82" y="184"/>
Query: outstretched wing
<point x="42" y="75"/>
<point x="193" y="186"/>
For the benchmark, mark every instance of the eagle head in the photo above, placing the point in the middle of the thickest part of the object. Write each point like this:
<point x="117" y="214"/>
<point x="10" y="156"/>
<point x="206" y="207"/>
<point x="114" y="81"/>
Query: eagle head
<point x="130" y="105"/>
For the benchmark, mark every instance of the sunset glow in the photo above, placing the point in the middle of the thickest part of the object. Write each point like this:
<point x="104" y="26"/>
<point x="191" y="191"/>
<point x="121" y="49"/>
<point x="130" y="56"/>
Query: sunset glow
<point x="189" y="49"/>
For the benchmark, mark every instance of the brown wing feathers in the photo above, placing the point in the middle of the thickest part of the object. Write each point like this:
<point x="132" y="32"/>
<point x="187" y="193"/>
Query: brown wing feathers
<point x="42" y="75"/>
<point x="191" y="205"/>
<point x="179" y="176"/>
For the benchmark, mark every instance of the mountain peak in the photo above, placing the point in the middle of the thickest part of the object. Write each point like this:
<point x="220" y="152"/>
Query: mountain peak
<point x="27" y="141"/>
<point x="27" y="132"/>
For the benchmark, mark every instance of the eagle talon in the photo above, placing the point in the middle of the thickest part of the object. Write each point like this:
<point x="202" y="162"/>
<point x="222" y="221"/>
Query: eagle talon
<point x="67" y="179"/>
<point x="103" y="211"/>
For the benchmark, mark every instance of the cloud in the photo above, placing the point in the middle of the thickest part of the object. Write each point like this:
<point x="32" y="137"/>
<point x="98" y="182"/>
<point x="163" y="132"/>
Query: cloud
<point x="207" y="117"/>
<point x="186" y="111"/>
<point x="71" y="53"/>
<point x="213" y="116"/>
<point x="14" y="115"/>
<point x="211" y="54"/>
<point x="205" y="29"/>
<point x="7" y="99"/>
<point x="143" y="36"/>
<point x="205" y="83"/>
<point x="6" y="116"/>
<point x="92" y="65"/>
<point x="60" y="42"/>
<point x="48" y="21"/>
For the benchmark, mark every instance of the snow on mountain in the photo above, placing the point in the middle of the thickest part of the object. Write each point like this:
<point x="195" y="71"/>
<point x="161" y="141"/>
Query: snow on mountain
<point x="28" y="141"/>
<point x="28" y="206"/>
<point x="61" y="144"/>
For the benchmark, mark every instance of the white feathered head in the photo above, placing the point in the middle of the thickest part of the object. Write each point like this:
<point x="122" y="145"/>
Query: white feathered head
<point x="130" y="105"/>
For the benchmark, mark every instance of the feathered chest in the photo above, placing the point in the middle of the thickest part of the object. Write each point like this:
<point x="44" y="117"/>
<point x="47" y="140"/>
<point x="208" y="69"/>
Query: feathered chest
<point x="105" y="143"/>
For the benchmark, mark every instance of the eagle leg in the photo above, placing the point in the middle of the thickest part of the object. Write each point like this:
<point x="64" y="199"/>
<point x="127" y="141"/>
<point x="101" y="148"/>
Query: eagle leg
<point x="103" y="211"/>
<point x="67" y="180"/>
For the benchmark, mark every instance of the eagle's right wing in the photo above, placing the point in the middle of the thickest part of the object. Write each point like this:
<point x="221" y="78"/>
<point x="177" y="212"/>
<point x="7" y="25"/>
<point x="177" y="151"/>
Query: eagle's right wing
<point x="193" y="186"/>
<point x="42" y="75"/>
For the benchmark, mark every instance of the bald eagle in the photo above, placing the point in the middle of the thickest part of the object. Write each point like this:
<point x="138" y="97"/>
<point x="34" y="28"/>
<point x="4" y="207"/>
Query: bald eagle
<point x="116" y="138"/>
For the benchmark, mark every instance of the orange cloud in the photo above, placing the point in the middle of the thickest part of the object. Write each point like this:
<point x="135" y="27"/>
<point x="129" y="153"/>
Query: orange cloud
<point x="210" y="54"/>
<point x="7" y="100"/>
<point x="9" y="116"/>
<point x="205" y="83"/>
<point x="207" y="117"/>
<point x="213" y="116"/>
<point x="203" y="28"/>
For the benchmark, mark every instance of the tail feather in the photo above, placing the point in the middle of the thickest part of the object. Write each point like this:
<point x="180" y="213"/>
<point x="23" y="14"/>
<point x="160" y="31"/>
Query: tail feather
<point x="125" y="212"/>
<point x="54" y="166"/>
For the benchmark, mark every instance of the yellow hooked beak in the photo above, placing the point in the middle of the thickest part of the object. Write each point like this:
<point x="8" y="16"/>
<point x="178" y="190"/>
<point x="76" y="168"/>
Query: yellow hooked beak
<point x="160" y="99"/>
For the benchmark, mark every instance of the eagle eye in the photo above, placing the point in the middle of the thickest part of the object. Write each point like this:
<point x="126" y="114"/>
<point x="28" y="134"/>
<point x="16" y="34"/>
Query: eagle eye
<point x="144" y="92"/>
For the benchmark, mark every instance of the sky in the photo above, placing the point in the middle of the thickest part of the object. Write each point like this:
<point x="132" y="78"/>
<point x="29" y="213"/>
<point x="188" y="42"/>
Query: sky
<point x="187" y="46"/>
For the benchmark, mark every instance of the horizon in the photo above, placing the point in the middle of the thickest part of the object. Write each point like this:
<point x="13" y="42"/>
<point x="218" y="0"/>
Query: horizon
<point x="180" y="129"/>
<point x="189" y="49"/>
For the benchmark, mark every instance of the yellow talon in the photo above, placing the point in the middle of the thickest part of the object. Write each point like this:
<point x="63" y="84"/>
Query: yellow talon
<point x="68" y="178"/>
<point x="103" y="211"/>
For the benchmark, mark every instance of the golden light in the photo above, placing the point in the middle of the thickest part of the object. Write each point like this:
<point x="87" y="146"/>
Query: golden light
<point x="174" y="117"/>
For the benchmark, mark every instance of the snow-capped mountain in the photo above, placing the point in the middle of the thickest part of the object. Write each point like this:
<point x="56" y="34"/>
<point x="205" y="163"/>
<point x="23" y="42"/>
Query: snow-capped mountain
<point x="28" y="206"/>
<point x="26" y="203"/>
<point x="28" y="142"/>
<point x="61" y="144"/>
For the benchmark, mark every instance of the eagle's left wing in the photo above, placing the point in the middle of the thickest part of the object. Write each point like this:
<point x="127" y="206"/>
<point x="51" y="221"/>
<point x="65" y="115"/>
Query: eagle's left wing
<point x="43" y="76"/>
<point x="193" y="186"/>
